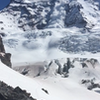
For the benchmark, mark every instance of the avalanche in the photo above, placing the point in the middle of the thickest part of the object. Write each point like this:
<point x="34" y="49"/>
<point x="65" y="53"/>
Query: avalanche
<point x="41" y="35"/>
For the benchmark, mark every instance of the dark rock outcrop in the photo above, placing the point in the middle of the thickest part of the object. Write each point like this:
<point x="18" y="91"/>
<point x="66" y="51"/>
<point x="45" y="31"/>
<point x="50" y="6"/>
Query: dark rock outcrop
<point x="9" y="93"/>
<point x="91" y="84"/>
<point x="1" y="46"/>
<point x="5" y="57"/>
<point x="45" y="90"/>
<point x="73" y="15"/>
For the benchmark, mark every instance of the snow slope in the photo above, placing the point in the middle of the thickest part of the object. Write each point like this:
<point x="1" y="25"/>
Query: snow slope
<point x="58" y="88"/>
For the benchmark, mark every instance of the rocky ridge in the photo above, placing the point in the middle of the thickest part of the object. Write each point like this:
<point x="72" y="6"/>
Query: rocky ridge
<point x="9" y="93"/>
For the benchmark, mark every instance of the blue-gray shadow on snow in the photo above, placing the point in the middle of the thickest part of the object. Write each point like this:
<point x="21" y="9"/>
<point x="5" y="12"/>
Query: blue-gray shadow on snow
<point x="98" y="1"/>
<point x="4" y="3"/>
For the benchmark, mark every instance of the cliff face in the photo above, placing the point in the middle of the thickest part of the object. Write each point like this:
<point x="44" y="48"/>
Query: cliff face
<point x="5" y="57"/>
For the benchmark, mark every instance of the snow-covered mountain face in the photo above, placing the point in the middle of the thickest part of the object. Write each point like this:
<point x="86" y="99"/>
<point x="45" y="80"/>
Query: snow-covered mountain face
<point x="81" y="70"/>
<point x="44" y="28"/>
<point x="42" y="14"/>
<point x="45" y="14"/>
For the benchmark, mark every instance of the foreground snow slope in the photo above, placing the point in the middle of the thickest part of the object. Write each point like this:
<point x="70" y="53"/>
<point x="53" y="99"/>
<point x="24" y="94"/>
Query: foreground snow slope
<point x="58" y="88"/>
<point x="68" y="89"/>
